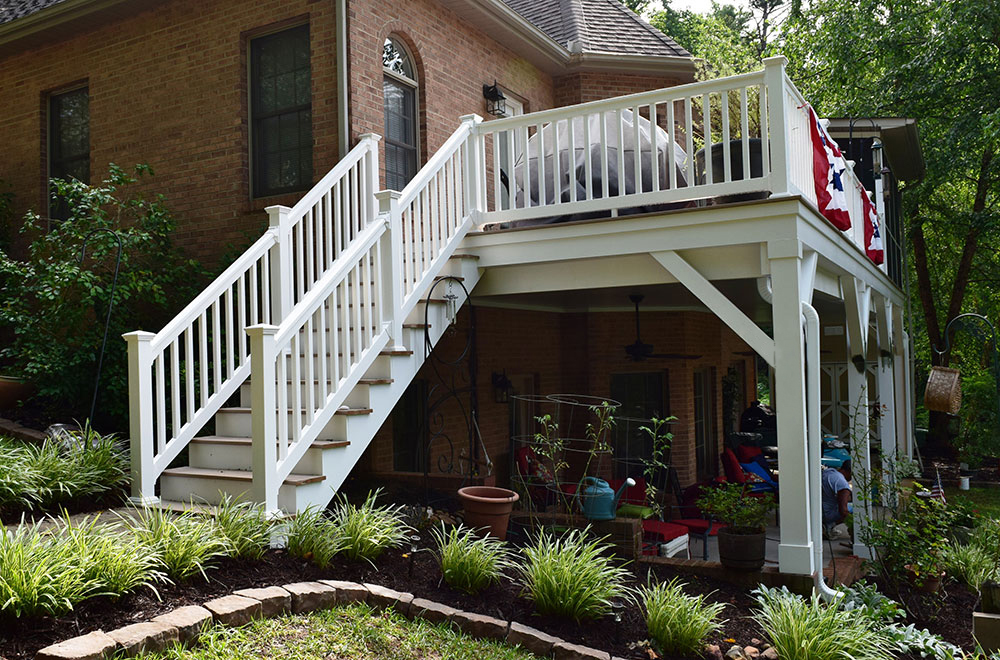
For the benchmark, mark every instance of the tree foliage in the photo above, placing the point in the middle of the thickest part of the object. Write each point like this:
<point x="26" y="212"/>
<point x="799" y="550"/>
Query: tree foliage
<point x="56" y="304"/>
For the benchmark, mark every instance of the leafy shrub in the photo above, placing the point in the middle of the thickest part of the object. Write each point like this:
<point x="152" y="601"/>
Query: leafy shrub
<point x="40" y="574"/>
<point x="469" y="562"/>
<point x="910" y="639"/>
<point x="311" y="535"/>
<point x="364" y="532"/>
<point x="245" y="526"/>
<point x="569" y="575"/>
<point x="732" y="504"/>
<point x="810" y="630"/>
<point x="56" y="305"/>
<point x="911" y="541"/>
<point x="677" y="622"/>
<point x="868" y="600"/>
<point x="185" y="543"/>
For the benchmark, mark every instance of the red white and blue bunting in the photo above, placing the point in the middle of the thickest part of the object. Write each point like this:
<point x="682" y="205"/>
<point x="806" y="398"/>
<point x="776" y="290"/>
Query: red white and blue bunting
<point x="828" y="170"/>
<point x="873" y="234"/>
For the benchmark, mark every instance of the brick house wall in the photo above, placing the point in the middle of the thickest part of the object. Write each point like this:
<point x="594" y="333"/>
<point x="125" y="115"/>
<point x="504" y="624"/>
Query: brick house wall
<point x="168" y="87"/>
<point x="577" y="353"/>
<point x="581" y="87"/>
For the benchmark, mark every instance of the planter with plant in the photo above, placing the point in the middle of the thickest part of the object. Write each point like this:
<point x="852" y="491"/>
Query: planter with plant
<point x="742" y="540"/>
<point x="910" y="543"/>
<point x="658" y="462"/>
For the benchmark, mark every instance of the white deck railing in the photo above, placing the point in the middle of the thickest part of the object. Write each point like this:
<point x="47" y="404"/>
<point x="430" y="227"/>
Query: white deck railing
<point x="181" y="376"/>
<point x="756" y="126"/>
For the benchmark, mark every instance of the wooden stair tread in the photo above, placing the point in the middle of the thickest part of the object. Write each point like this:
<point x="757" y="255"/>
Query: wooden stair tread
<point x="375" y="381"/>
<point x="474" y="257"/>
<point x="417" y="326"/>
<point x="401" y="351"/>
<point x="238" y="442"/>
<point x="342" y="411"/>
<point x="203" y="509"/>
<point x="238" y="475"/>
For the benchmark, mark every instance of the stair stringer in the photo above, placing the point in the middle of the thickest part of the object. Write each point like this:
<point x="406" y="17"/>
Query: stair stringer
<point x="361" y="430"/>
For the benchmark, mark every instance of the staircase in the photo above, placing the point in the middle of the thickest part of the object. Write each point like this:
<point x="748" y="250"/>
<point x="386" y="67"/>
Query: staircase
<point x="315" y="331"/>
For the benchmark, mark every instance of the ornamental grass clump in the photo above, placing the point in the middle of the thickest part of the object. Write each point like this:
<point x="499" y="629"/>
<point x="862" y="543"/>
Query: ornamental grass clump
<point x="470" y="562"/>
<point x="110" y="559"/>
<point x="245" y="527"/>
<point x="185" y="543"/>
<point x="677" y="622"/>
<point x="811" y="630"/>
<point x="312" y="536"/>
<point x="364" y="532"/>
<point x="40" y="573"/>
<point x="571" y="575"/>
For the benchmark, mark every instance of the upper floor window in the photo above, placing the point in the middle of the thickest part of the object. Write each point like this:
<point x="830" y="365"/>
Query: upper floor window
<point x="69" y="141"/>
<point x="281" y="112"/>
<point x="399" y="85"/>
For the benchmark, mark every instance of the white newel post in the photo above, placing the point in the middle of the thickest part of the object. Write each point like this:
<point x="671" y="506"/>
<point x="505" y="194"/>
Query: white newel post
<point x="370" y="170"/>
<point x="475" y="173"/>
<point x="391" y="249"/>
<point x="780" y="147"/>
<point x="263" y="354"/>
<point x="795" y="550"/>
<point x="140" y="416"/>
<point x="281" y="263"/>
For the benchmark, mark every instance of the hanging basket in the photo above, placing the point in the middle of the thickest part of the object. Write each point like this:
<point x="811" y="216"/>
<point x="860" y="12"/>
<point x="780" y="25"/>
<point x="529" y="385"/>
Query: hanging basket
<point x="944" y="391"/>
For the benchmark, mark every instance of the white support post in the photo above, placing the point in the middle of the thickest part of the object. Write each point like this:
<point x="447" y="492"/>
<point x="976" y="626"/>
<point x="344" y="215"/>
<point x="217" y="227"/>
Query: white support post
<point x="777" y="122"/>
<point x="140" y="417"/>
<point x="392" y="266"/>
<point x="263" y="354"/>
<point x="856" y="303"/>
<point x="475" y="172"/>
<point x="371" y="174"/>
<point x="281" y="263"/>
<point x="886" y="389"/>
<point x="795" y="551"/>
<point x="900" y="369"/>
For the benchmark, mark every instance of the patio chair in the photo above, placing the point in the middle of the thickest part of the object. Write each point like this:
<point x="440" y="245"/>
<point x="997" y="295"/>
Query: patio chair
<point x="757" y="478"/>
<point x="689" y="515"/>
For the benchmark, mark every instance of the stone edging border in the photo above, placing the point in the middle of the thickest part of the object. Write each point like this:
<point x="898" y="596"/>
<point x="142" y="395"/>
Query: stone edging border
<point x="185" y="624"/>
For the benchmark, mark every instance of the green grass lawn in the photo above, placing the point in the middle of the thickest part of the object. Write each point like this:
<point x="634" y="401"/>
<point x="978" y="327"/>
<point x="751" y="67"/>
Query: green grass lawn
<point x="342" y="633"/>
<point x="984" y="497"/>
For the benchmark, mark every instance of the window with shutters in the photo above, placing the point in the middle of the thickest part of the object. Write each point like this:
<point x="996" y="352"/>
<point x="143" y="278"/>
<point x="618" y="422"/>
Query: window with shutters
<point x="399" y="86"/>
<point x="281" y="112"/>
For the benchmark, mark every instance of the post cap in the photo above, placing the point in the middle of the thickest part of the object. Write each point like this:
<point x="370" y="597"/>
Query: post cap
<point x="375" y="137"/>
<point x="138" y="336"/>
<point x="262" y="329"/>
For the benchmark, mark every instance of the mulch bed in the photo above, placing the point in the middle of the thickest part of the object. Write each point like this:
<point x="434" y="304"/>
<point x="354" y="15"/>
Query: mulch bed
<point x="20" y="639"/>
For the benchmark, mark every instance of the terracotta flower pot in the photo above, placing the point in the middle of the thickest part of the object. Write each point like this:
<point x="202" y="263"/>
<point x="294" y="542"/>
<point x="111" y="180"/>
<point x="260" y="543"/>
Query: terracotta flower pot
<point x="489" y="507"/>
<point x="928" y="584"/>
<point x="12" y="390"/>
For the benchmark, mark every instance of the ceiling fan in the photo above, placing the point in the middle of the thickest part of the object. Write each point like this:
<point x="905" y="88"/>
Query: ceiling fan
<point x="638" y="351"/>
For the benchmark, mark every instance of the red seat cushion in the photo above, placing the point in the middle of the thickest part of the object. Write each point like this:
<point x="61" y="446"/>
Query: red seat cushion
<point x="731" y="465"/>
<point x="698" y="525"/>
<point x="747" y="453"/>
<point x="662" y="531"/>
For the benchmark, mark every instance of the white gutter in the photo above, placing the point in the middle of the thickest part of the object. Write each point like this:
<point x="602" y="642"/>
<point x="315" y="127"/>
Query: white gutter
<point x="343" y="119"/>
<point x="813" y="450"/>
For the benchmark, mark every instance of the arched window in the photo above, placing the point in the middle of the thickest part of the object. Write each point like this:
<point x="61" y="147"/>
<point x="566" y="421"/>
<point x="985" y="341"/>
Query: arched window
<point x="399" y="85"/>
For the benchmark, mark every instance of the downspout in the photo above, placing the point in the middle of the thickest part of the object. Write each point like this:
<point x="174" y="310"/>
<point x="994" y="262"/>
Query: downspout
<point x="343" y="118"/>
<point x="813" y="450"/>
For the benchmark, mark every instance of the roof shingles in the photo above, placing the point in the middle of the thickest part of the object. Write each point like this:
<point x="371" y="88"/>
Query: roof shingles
<point x="11" y="10"/>
<point x="608" y="26"/>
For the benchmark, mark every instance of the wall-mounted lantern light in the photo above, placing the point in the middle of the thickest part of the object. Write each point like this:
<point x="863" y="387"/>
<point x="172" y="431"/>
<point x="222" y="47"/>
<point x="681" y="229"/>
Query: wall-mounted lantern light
<point x="496" y="102"/>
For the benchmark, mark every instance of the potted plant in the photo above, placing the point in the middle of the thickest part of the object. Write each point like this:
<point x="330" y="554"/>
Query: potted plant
<point x="742" y="540"/>
<point x="909" y="545"/>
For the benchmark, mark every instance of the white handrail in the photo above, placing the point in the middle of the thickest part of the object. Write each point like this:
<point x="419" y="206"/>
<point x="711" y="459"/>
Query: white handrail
<point x="180" y="377"/>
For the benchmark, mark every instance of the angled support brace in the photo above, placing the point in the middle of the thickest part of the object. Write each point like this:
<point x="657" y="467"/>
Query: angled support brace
<point x="721" y="306"/>
<point x="807" y="275"/>
<point x="857" y="301"/>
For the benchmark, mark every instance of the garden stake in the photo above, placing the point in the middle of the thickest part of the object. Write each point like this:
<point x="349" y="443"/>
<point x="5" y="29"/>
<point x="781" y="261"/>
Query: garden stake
<point x="414" y="539"/>
<point x="617" y="608"/>
<point x="111" y="304"/>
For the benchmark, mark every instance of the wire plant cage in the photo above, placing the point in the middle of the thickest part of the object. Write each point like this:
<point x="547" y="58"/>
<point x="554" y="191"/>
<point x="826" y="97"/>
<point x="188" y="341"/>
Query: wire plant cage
<point x="558" y="439"/>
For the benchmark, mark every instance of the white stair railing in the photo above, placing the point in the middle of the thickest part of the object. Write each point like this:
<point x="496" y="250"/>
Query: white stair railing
<point x="304" y="369"/>
<point x="182" y="375"/>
